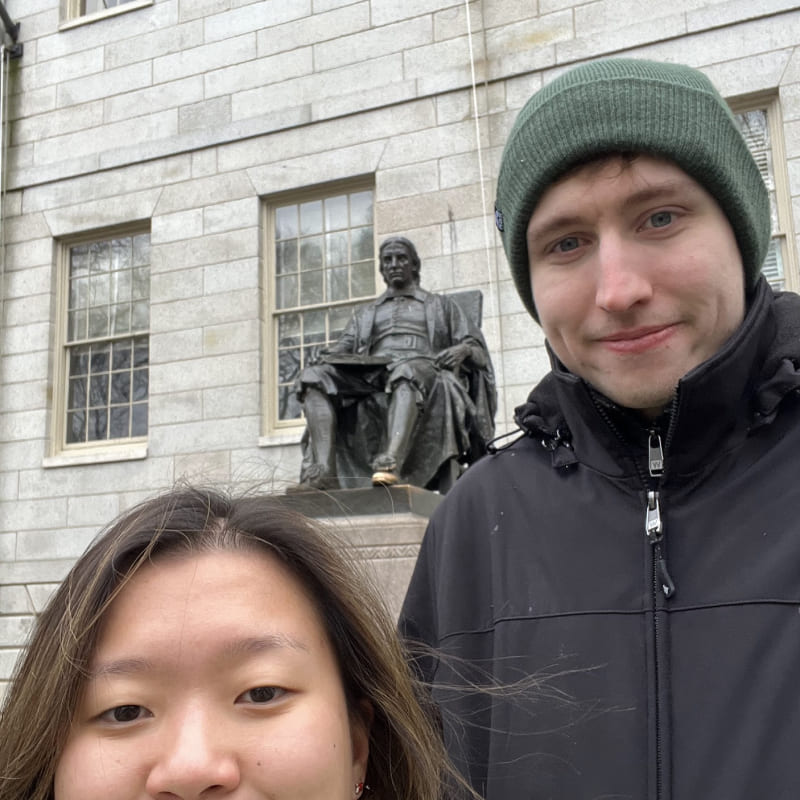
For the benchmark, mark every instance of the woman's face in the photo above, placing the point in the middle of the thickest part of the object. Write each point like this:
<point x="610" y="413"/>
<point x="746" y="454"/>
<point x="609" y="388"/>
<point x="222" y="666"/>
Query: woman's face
<point x="213" y="678"/>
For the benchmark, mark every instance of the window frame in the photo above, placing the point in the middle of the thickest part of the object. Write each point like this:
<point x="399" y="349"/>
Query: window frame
<point x="770" y="103"/>
<point x="274" y="429"/>
<point x="61" y="452"/>
<point x="72" y="16"/>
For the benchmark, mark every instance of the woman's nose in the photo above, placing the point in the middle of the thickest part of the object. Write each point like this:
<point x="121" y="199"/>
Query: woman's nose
<point x="195" y="760"/>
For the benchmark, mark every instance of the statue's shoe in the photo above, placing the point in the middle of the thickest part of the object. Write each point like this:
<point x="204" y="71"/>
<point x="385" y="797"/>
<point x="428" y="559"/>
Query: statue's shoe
<point x="385" y="477"/>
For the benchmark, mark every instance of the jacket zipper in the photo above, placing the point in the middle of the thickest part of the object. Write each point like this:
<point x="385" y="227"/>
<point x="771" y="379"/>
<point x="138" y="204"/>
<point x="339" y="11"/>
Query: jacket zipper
<point x="654" y="530"/>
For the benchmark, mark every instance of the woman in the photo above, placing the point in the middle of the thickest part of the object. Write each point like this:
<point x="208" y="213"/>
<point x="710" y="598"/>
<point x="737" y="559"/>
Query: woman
<point x="209" y="647"/>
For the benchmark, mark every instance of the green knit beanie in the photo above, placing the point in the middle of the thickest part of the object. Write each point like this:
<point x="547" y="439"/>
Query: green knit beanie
<point x="628" y="105"/>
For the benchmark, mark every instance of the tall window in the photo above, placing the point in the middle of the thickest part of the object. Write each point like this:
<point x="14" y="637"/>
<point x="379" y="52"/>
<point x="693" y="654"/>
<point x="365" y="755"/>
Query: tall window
<point x="760" y="125"/>
<point x="321" y="259"/>
<point x="106" y="292"/>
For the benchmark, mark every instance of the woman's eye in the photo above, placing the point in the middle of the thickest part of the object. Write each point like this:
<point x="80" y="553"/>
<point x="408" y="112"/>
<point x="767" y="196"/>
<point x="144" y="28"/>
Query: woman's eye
<point x="261" y="694"/>
<point x="130" y="713"/>
<point x="567" y="244"/>
<point x="660" y="219"/>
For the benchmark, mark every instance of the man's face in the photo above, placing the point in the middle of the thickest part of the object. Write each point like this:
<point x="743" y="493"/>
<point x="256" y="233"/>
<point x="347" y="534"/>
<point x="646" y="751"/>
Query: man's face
<point x="396" y="266"/>
<point x="636" y="277"/>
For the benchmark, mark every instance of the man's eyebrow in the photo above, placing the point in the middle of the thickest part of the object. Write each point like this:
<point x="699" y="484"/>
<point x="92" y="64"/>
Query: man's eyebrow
<point x="233" y="648"/>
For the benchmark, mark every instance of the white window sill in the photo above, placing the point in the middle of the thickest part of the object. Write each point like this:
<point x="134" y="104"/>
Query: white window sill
<point x="105" y="455"/>
<point x="292" y="436"/>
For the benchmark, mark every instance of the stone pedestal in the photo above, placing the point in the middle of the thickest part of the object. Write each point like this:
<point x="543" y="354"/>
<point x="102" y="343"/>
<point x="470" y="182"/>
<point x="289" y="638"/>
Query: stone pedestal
<point x="384" y="525"/>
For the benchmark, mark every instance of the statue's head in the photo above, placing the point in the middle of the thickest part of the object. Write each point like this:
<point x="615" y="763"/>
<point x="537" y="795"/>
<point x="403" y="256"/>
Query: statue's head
<point x="399" y="262"/>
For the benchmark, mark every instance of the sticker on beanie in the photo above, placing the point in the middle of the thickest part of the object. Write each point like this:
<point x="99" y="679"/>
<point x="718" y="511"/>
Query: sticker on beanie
<point x="498" y="219"/>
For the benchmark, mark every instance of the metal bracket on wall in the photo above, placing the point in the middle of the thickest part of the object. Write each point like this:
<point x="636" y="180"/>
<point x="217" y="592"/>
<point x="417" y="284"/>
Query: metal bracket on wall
<point x="12" y="30"/>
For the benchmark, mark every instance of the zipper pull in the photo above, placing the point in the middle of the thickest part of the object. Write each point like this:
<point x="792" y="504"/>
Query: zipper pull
<point x="655" y="454"/>
<point x="652" y="520"/>
<point x="667" y="586"/>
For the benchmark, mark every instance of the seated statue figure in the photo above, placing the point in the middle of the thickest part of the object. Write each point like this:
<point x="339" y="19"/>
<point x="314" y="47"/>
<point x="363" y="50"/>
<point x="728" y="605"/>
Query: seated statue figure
<point x="405" y="395"/>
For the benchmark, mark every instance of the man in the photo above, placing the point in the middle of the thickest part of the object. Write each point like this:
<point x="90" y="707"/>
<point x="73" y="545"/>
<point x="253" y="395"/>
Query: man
<point x="407" y="388"/>
<point x="625" y="577"/>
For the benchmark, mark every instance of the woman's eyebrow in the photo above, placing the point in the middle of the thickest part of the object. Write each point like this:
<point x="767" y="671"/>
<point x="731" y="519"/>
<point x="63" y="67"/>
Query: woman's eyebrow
<point x="229" y="649"/>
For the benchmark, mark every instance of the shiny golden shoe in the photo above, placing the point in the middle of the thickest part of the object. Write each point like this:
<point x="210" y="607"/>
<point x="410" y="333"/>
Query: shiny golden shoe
<point x="385" y="477"/>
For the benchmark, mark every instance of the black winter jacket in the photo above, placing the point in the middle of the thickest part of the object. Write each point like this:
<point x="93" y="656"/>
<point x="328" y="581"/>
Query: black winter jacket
<point x="644" y="628"/>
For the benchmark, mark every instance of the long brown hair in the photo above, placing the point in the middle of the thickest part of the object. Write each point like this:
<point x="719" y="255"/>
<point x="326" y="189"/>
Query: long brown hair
<point x="406" y="760"/>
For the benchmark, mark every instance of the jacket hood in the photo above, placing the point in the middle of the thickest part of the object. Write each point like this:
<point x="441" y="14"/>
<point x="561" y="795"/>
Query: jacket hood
<point x="737" y="390"/>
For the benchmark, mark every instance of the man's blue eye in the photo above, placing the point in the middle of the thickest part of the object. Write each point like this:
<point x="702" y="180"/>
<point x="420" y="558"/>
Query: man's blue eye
<point x="565" y="245"/>
<point x="661" y="218"/>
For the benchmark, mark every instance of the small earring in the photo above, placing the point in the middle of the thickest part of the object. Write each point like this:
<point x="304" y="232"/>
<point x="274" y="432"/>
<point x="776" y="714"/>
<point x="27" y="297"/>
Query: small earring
<point x="359" y="788"/>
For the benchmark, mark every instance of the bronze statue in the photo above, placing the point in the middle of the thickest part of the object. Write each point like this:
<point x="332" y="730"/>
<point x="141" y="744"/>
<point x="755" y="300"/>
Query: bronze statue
<point x="406" y="394"/>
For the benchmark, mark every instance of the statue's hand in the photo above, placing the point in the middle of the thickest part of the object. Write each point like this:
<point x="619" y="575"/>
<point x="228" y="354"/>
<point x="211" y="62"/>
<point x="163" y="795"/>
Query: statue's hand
<point x="314" y="355"/>
<point x="452" y="357"/>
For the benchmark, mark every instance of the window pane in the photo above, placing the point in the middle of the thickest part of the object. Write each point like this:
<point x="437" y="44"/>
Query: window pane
<point x="141" y="352"/>
<point x="311" y="288"/>
<point x="76" y="426"/>
<point x="286" y="294"/>
<point x="120" y="387"/>
<point x="77" y="393"/>
<point x="99" y="360"/>
<point x="139" y="419"/>
<point x="336" y="213"/>
<point x="98" y="390"/>
<point x="141" y="283"/>
<point x="363" y="244"/>
<point x="140" y="316"/>
<point x="99" y="257"/>
<point x="140" y="382"/>
<point x="121" y="318"/>
<point x="288" y="365"/>
<point x="314" y="327"/>
<point x="361" y="209"/>
<point x="363" y="279"/>
<point x="78" y="293"/>
<point x="288" y="404"/>
<point x="288" y="330"/>
<point x="338" y="288"/>
<point x="121" y="358"/>
<point x="121" y="253"/>
<point x="79" y="361"/>
<point x="311" y="218"/>
<point x="98" y="424"/>
<point x="141" y="250"/>
<point x="99" y="290"/>
<point x="311" y="253"/>
<point x="119" y="422"/>
<point x="77" y="325"/>
<point x="286" y="222"/>
<point x="121" y="286"/>
<point x="79" y="260"/>
<point x="98" y="323"/>
<point x="286" y="256"/>
<point x="336" y="249"/>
